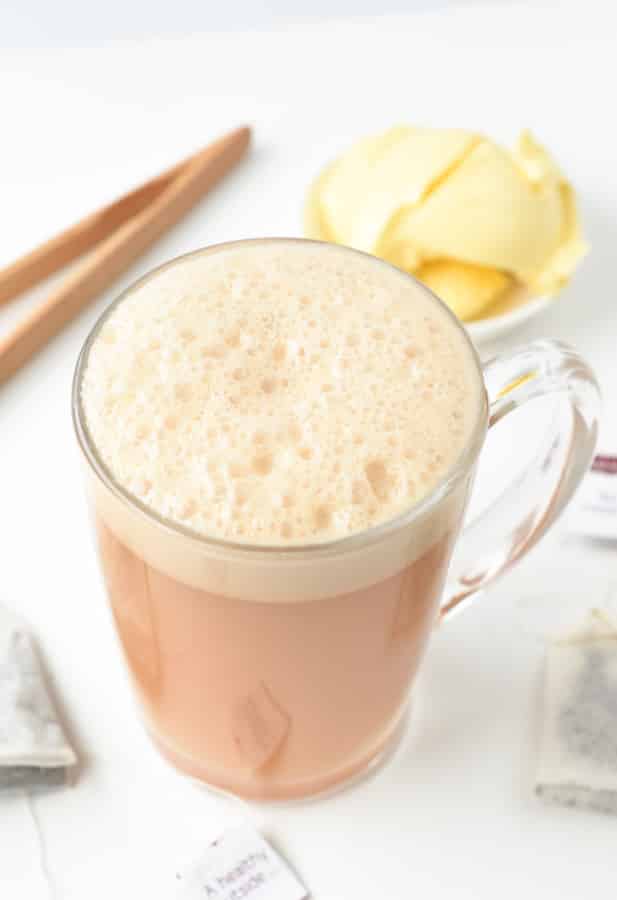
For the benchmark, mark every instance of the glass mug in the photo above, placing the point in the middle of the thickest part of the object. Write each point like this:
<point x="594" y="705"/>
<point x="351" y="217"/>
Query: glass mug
<point x="280" y="672"/>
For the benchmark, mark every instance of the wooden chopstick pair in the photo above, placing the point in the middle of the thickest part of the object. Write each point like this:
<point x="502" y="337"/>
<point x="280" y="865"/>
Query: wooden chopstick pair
<point x="116" y="235"/>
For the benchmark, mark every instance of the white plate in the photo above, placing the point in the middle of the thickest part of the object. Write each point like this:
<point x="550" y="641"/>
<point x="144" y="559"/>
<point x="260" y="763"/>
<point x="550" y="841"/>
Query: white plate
<point x="501" y="323"/>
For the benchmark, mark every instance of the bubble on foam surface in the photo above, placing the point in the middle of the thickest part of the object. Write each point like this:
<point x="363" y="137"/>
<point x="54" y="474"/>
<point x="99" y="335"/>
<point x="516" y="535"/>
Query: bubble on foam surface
<point x="279" y="393"/>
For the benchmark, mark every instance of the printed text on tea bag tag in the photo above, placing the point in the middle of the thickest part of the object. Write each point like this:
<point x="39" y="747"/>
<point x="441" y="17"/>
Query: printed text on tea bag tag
<point x="239" y="865"/>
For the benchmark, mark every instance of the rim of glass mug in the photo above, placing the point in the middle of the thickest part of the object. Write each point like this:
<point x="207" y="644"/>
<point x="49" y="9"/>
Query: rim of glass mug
<point x="356" y="540"/>
<point x="486" y="548"/>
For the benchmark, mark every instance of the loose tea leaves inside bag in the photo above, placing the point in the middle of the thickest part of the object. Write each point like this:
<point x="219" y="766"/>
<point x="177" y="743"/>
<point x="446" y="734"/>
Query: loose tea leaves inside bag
<point x="34" y="752"/>
<point x="578" y="757"/>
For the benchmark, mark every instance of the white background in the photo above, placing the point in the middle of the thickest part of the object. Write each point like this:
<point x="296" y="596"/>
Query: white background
<point x="63" y="23"/>
<point x="454" y="814"/>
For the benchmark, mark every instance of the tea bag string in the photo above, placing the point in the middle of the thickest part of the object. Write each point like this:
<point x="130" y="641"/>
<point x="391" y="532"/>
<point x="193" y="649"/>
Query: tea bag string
<point x="52" y="893"/>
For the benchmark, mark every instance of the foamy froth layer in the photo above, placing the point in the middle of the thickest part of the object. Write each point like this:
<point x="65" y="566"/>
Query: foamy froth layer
<point x="279" y="393"/>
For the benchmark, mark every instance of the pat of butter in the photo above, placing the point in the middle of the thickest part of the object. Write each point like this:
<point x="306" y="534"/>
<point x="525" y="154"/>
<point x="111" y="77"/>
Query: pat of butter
<point x="456" y="210"/>
<point x="468" y="290"/>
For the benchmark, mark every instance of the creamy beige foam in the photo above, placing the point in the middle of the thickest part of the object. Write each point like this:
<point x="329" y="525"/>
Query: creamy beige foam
<point x="279" y="393"/>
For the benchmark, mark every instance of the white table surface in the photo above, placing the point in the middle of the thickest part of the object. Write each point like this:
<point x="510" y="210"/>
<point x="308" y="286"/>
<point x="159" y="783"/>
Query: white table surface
<point x="454" y="815"/>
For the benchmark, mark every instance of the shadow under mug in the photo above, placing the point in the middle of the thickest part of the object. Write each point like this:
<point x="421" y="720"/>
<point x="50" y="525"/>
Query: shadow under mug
<point x="282" y="671"/>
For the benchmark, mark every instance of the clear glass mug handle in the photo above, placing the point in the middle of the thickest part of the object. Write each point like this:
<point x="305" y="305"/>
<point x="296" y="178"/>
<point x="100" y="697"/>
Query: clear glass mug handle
<point x="529" y="505"/>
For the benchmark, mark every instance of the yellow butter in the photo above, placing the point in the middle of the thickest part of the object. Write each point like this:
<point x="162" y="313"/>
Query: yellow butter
<point x="467" y="289"/>
<point x="426" y="199"/>
<point x="368" y="186"/>
<point x="487" y="214"/>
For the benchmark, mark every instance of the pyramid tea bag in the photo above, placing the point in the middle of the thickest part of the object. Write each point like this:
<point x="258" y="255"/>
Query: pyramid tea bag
<point x="34" y="752"/>
<point x="578" y="754"/>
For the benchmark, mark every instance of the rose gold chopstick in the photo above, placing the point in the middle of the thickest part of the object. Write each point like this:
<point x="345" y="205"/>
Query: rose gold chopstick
<point x="116" y="235"/>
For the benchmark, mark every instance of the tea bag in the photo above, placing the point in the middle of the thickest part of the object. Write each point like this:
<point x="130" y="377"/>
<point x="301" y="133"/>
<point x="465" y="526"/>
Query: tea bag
<point x="578" y="754"/>
<point x="34" y="752"/>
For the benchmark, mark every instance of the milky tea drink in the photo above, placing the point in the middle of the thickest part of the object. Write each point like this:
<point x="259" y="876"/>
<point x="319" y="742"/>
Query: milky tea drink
<point x="272" y="427"/>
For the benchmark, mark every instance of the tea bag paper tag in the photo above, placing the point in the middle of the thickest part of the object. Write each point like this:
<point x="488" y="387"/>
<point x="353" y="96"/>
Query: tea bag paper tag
<point x="240" y="865"/>
<point x="593" y="512"/>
